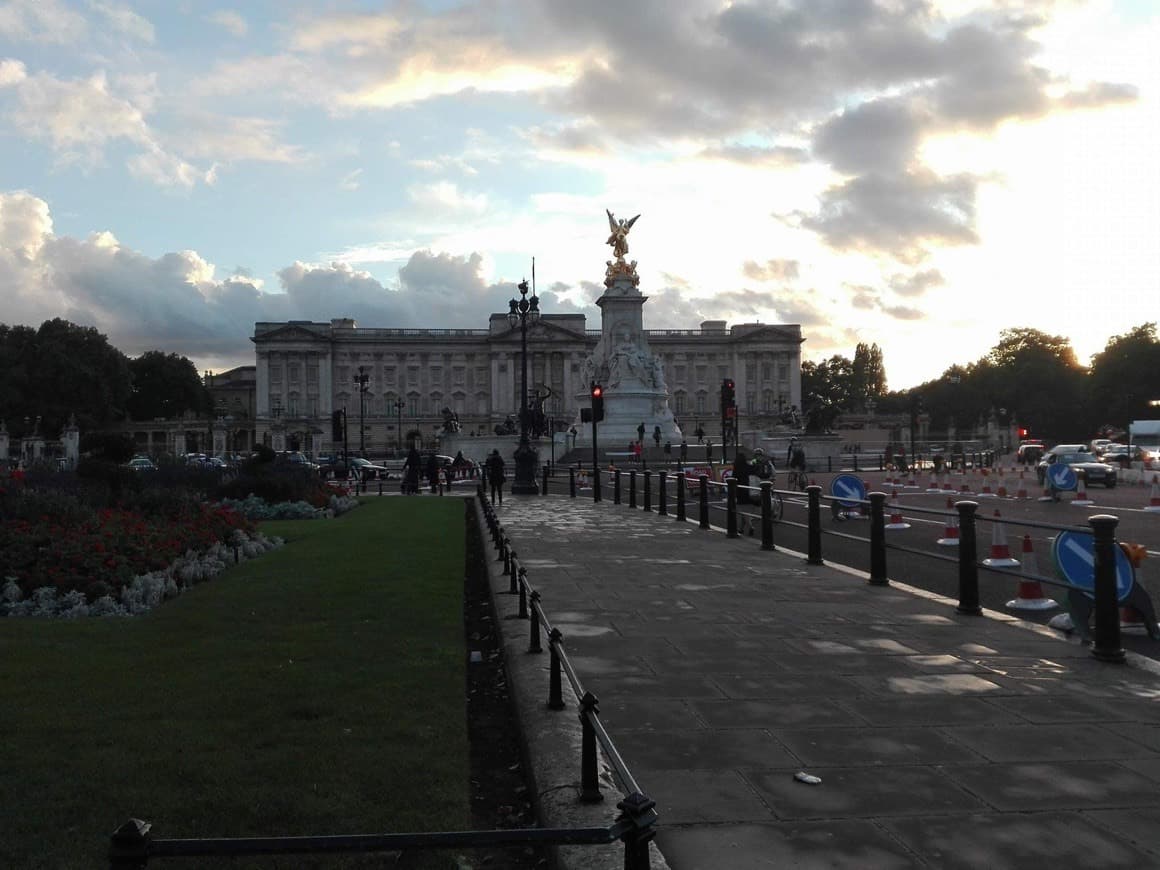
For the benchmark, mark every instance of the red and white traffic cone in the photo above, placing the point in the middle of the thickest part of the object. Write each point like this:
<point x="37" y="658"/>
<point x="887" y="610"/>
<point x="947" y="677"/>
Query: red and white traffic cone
<point x="1047" y="494"/>
<point x="950" y="536"/>
<point x="946" y="484"/>
<point x="1154" y="498"/>
<point x="1000" y="553"/>
<point x="1001" y="490"/>
<point x="1081" y="496"/>
<point x="1021" y="492"/>
<point x="912" y="482"/>
<point x="933" y="485"/>
<point x="1030" y="595"/>
<point x="896" y="520"/>
<point x="985" y="492"/>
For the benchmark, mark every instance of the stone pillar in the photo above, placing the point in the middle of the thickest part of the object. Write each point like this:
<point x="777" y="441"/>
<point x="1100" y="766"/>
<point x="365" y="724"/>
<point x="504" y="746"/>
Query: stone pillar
<point x="325" y="385"/>
<point x="180" y="445"/>
<point x="262" y="385"/>
<point x="220" y="429"/>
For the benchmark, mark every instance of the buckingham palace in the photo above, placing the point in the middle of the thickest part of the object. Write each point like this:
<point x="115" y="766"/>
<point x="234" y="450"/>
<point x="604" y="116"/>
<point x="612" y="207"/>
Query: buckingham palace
<point x="400" y="385"/>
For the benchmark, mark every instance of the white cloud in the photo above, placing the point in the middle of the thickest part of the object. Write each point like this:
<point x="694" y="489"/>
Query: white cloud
<point x="12" y="72"/>
<point x="48" y="21"/>
<point x="351" y="181"/>
<point x="445" y="198"/>
<point x="125" y="20"/>
<point x="230" y="21"/>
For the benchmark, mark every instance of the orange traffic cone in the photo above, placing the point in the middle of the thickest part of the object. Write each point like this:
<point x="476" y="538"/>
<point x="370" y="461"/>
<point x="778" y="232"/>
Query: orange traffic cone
<point x="950" y="536"/>
<point x="1047" y="493"/>
<point x="1081" y="496"/>
<point x="1021" y="492"/>
<point x="1030" y="595"/>
<point x="946" y="484"/>
<point x="896" y="520"/>
<point x="933" y="485"/>
<point x="986" y="490"/>
<point x="1154" y="498"/>
<point x="1000" y="552"/>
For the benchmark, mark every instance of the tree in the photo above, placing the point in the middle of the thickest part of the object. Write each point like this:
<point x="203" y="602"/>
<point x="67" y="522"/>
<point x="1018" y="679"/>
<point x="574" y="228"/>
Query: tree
<point x="869" y="374"/>
<point x="166" y="386"/>
<point x="1123" y="378"/>
<point x="1036" y="378"/>
<point x="59" y="370"/>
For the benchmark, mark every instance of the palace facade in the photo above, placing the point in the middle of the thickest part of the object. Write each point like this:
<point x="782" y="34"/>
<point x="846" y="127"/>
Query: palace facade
<point x="306" y="370"/>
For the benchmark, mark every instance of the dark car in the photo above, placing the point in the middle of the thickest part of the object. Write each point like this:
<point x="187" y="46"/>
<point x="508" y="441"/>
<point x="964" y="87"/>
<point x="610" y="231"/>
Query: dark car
<point x="367" y="470"/>
<point x="1084" y="464"/>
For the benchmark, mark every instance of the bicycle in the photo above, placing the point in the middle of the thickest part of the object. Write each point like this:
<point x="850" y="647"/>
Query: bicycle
<point x="797" y="480"/>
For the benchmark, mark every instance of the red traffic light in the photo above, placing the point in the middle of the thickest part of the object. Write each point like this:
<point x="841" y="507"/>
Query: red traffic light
<point x="597" y="391"/>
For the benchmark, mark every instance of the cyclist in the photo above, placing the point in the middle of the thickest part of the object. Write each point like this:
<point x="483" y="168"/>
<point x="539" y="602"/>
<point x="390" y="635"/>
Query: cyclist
<point x="762" y="465"/>
<point x="796" y="460"/>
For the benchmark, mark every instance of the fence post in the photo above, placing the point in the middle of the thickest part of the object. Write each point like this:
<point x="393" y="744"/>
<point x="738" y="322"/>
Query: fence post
<point x="731" y="508"/>
<point x="616" y="486"/>
<point x="878" y="539"/>
<point x="589" y="780"/>
<point x="545" y="492"/>
<point x="681" y="483"/>
<point x="505" y="553"/>
<point x="639" y="810"/>
<point x="534" y="631"/>
<point x="555" y="686"/>
<point x="855" y="463"/>
<point x="704" y="501"/>
<point x="814" y="547"/>
<point x="829" y="464"/>
<point x="662" y="495"/>
<point x="767" y="515"/>
<point x="1106" y="644"/>
<point x="632" y="488"/>
<point x="595" y="482"/>
<point x="523" y="584"/>
<point x="647" y="490"/>
<point x="968" y="565"/>
<point x="571" y="481"/>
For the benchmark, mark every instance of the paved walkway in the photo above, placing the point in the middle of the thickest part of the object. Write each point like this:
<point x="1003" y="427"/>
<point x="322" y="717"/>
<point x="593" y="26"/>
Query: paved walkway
<point x="941" y="740"/>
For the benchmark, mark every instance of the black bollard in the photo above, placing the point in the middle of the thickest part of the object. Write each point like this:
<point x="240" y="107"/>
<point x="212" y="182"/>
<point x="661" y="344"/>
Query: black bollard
<point x="878" y="539"/>
<point x="534" y="630"/>
<point x="767" y="515"/>
<point x="662" y="496"/>
<point x="616" y="486"/>
<point x="555" y="685"/>
<point x="968" y="564"/>
<point x="814" y="536"/>
<point x="571" y="481"/>
<point x="545" y="490"/>
<point x="589" y="778"/>
<point x="523" y="584"/>
<point x="596" y="483"/>
<point x="1106" y="643"/>
<point x="731" y="508"/>
<point x="704" y="501"/>
<point x="648" y="491"/>
<point x="632" y="488"/>
<point x="681" y="478"/>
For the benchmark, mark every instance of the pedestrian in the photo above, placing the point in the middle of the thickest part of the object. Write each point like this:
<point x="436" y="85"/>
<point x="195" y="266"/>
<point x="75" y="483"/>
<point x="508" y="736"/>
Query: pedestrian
<point x="636" y="451"/>
<point x="411" y="469"/>
<point x="640" y="432"/>
<point x="495" y="475"/>
<point x="684" y="451"/>
<point x="668" y="451"/>
<point x="709" y="452"/>
<point x="762" y="465"/>
<point x="433" y="473"/>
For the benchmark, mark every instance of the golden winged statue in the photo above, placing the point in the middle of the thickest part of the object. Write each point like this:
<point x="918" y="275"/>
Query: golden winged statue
<point x="619" y="237"/>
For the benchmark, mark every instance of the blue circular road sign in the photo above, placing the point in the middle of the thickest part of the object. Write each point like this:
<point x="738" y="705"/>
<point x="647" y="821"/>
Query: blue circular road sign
<point x="1075" y="558"/>
<point x="848" y="490"/>
<point x="1062" y="477"/>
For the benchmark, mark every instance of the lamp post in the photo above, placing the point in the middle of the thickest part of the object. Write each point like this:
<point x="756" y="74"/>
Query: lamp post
<point x="519" y="313"/>
<point x="399" y="405"/>
<point x="360" y="381"/>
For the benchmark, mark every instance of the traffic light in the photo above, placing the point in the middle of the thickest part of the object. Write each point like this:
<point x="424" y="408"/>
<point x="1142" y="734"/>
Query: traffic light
<point x="597" y="392"/>
<point x="728" y="394"/>
<point x="1023" y="432"/>
<point x="337" y="426"/>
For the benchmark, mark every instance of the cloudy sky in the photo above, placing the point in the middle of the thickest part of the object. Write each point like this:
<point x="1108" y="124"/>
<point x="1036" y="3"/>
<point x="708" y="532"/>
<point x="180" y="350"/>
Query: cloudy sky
<point x="916" y="173"/>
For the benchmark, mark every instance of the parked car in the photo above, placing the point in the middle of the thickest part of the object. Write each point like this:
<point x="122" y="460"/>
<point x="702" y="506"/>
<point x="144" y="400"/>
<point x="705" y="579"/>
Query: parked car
<point x="140" y="463"/>
<point x="367" y="470"/>
<point x="1083" y="462"/>
<point x="1099" y="445"/>
<point x="294" y="459"/>
<point x="1029" y="452"/>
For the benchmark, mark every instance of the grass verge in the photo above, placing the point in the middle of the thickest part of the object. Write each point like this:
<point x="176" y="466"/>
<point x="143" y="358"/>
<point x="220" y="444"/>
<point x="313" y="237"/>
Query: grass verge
<point x="319" y="689"/>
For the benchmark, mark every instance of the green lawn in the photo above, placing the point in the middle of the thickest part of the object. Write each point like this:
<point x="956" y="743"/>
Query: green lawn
<point x="317" y="689"/>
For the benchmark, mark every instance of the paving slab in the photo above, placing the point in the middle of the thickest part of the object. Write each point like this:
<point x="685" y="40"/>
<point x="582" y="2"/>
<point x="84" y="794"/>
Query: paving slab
<point x="941" y="740"/>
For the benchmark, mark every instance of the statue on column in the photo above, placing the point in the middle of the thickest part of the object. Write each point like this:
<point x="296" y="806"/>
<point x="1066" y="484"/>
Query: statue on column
<point x="619" y="237"/>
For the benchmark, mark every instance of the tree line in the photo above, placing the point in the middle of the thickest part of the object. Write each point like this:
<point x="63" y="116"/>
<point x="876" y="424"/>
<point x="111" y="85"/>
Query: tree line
<point x="62" y="369"/>
<point x="1029" y="378"/>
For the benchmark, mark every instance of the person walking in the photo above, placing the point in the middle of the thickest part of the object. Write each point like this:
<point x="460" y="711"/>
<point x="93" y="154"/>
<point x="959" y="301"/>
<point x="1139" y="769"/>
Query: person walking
<point x="495" y="475"/>
<point x="684" y="451"/>
<point x="433" y="473"/>
<point x="657" y="435"/>
<point x="741" y="475"/>
<point x="636" y="452"/>
<point x="668" y="452"/>
<point x="640" y="432"/>
<point x="411" y="469"/>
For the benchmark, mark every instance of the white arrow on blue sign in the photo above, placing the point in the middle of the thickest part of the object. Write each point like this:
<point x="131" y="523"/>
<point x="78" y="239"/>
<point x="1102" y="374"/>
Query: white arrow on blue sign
<point x="1062" y="477"/>
<point x="1075" y="558"/>
<point x="848" y="490"/>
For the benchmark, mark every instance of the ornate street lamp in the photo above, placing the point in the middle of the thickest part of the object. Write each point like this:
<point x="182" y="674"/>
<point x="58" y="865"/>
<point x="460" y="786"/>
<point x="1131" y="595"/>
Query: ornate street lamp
<point x="520" y="313"/>
<point x="360" y="381"/>
<point x="399" y="406"/>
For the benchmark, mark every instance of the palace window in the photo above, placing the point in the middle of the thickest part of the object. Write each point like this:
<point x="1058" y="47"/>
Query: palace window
<point x="413" y="405"/>
<point x="682" y="401"/>
<point x="700" y="403"/>
<point x="275" y="374"/>
<point x="294" y="370"/>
